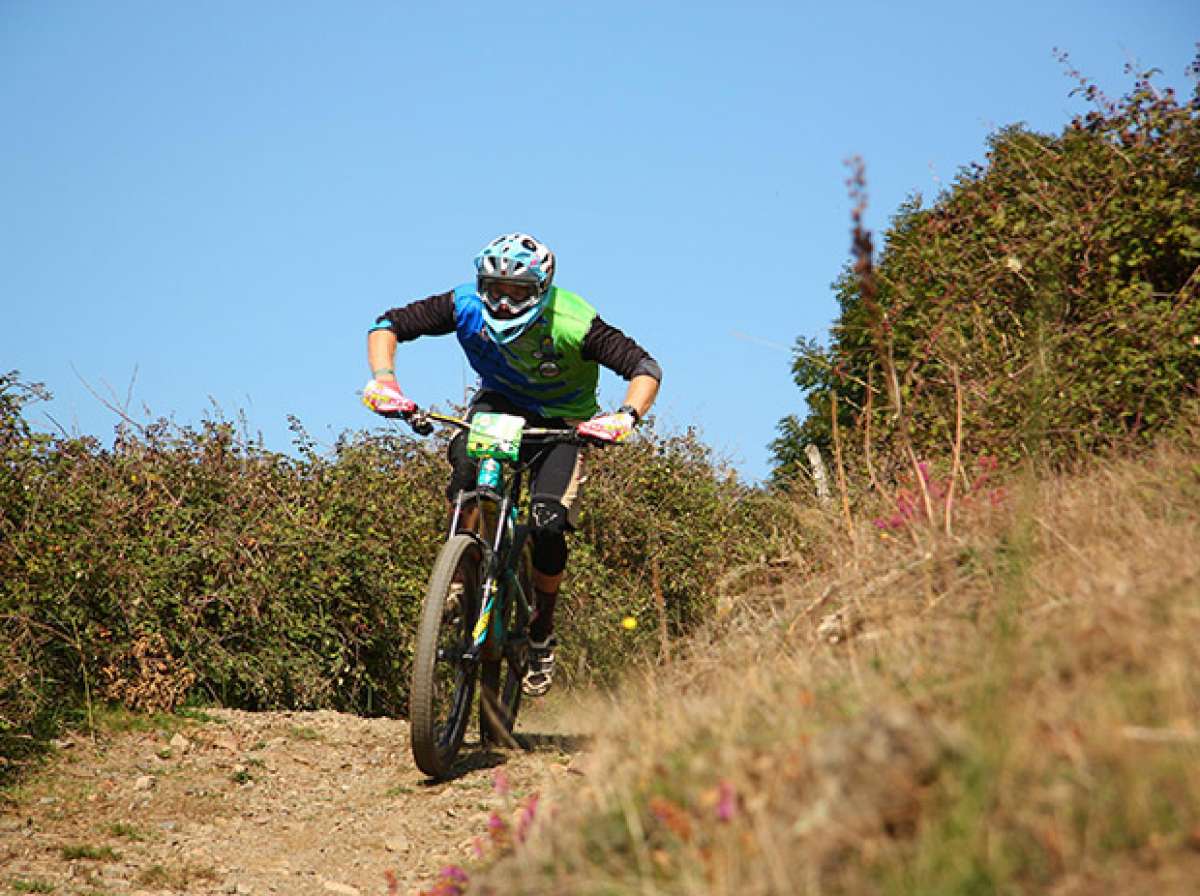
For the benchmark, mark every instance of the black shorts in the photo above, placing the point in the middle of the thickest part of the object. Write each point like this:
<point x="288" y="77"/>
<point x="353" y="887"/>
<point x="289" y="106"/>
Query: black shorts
<point x="556" y="476"/>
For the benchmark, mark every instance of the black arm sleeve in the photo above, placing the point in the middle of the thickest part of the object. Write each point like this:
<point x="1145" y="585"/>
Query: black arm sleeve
<point x="607" y="345"/>
<point x="433" y="316"/>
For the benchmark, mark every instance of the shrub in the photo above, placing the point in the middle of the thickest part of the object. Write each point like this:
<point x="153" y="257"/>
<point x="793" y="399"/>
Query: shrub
<point x="191" y="564"/>
<point x="662" y="520"/>
<point x="1057" y="284"/>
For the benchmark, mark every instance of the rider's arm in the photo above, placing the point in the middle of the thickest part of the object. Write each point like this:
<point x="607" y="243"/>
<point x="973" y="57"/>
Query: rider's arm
<point x="433" y="316"/>
<point x="640" y="395"/>
<point x="607" y="345"/>
<point x="381" y="354"/>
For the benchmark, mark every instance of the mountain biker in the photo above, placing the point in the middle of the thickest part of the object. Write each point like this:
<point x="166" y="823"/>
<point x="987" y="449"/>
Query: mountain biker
<point x="537" y="349"/>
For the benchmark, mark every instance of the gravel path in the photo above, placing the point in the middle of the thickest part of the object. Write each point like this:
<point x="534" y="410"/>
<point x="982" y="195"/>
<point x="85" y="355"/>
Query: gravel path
<point x="258" y="803"/>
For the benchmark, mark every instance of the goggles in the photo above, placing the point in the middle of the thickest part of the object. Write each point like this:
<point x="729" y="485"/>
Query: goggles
<point x="506" y="296"/>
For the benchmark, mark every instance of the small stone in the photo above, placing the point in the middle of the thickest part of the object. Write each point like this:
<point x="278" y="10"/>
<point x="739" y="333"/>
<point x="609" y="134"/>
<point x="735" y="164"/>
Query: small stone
<point x="145" y="782"/>
<point x="180" y="743"/>
<point x="396" y="844"/>
<point x="333" y="886"/>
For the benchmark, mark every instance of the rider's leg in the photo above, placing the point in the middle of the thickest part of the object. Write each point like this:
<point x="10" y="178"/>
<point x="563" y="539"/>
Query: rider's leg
<point x="554" y="493"/>
<point x="554" y="490"/>
<point x="468" y="517"/>
<point x="549" y="565"/>
<point x="549" y="561"/>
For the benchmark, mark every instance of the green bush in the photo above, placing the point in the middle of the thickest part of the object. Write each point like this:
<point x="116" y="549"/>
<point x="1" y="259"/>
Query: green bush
<point x="662" y="521"/>
<point x="188" y="564"/>
<point x="1058" y="283"/>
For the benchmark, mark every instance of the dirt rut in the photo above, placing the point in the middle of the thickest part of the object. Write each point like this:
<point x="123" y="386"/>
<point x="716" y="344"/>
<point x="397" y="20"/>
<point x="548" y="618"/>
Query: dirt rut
<point x="258" y="803"/>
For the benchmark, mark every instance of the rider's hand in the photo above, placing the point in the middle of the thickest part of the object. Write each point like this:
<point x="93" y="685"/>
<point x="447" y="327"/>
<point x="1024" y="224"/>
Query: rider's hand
<point x="385" y="397"/>
<point x="608" y="428"/>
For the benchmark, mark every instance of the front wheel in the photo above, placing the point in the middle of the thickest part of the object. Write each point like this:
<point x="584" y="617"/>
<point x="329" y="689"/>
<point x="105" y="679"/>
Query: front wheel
<point x="443" y="682"/>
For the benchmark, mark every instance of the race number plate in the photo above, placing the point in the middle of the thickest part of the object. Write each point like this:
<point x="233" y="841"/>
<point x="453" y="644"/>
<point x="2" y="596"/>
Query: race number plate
<point x="495" y="435"/>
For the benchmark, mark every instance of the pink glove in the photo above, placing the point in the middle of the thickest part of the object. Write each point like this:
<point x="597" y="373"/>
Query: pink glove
<point x="385" y="397"/>
<point x="608" y="428"/>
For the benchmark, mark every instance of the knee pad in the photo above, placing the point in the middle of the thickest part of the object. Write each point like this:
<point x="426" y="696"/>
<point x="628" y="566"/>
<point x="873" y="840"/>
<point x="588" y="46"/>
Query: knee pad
<point x="548" y="515"/>
<point x="549" y="525"/>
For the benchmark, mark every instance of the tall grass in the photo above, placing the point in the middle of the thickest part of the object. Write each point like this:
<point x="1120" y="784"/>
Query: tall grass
<point x="1014" y="709"/>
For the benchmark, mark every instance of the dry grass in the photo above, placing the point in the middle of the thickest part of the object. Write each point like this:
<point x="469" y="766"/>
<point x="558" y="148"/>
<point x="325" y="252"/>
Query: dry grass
<point x="1015" y="709"/>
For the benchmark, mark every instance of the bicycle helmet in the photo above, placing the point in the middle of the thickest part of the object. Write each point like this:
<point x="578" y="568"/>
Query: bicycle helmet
<point x="513" y="277"/>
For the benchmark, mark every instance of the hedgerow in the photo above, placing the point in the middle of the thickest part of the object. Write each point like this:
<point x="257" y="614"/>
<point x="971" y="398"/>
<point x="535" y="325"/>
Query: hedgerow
<point x="192" y="564"/>
<point x="1053" y="291"/>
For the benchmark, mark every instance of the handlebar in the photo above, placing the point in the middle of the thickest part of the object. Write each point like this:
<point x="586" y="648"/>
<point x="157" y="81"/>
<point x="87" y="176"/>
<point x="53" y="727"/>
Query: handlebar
<point x="422" y="422"/>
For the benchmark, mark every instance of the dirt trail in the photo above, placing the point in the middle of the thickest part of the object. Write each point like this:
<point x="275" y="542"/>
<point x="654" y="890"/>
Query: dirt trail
<point x="257" y="803"/>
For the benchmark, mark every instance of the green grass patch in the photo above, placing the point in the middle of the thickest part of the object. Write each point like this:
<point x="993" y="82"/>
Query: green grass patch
<point x="90" y="853"/>
<point x="30" y="885"/>
<point x="193" y="714"/>
<point x="117" y="719"/>
<point x="241" y="776"/>
<point x="179" y="877"/>
<point x="126" y="831"/>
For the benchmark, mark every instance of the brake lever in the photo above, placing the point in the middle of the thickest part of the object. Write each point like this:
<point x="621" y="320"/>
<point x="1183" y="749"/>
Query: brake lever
<point x="420" y="423"/>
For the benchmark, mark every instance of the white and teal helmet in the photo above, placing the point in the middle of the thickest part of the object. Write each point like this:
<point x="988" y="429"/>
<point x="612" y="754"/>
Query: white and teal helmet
<point x="513" y="277"/>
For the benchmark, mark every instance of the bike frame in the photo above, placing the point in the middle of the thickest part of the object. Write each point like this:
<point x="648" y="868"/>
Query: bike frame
<point x="503" y="552"/>
<point x="499" y="555"/>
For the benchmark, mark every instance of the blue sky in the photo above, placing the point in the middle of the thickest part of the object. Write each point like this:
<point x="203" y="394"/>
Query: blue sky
<point x="222" y="196"/>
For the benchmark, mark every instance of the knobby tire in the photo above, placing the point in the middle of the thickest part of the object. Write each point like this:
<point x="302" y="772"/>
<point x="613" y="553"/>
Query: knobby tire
<point x="443" y="685"/>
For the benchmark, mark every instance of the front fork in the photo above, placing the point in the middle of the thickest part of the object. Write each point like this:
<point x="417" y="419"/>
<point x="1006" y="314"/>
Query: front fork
<point x="488" y="635"/>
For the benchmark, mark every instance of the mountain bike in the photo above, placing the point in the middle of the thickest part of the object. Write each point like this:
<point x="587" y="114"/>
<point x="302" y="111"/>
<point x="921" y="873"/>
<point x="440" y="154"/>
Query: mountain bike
<point x="479" y="601"/>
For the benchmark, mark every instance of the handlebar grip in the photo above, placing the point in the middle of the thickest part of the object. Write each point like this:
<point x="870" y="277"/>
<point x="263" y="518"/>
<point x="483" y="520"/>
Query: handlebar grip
<point x="422" y="426"/>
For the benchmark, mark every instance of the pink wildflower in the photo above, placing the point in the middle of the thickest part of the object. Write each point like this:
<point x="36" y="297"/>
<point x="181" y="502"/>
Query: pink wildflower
<point x="498" y="831"/>
<point x="727" y="801"/>
<point x="500" y="783"/>
<point x="528" y="813"/>
<point x="455" y="873"/>
<point x="452" y="881"/>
